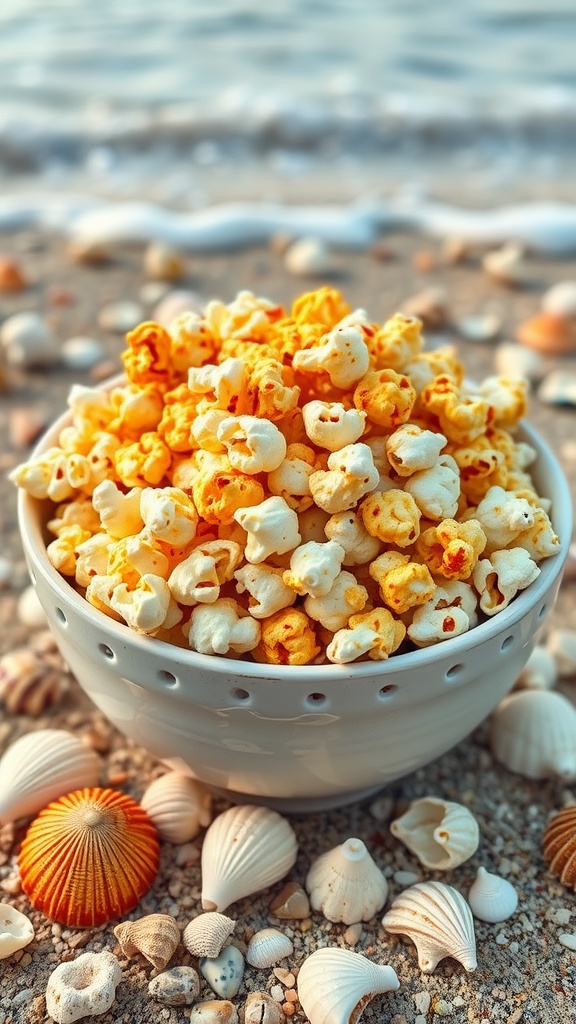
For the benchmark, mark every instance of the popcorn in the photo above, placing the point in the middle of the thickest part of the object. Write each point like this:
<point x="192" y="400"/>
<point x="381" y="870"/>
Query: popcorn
<point x="266" y="588"/>
<point x="451" y="549"/>
<point x="503" y="515"/>
<point x="135" y="410"/>
<point x="481" y="466"/>
<point x="411" y="449"/>
<point x="218" y="491"/>
<point x="118" y="511"/>
<point x="349" y="531"/>
<point x="344" y="357"/>
<point x="204" y="430"/>
<point x="168" y="515"/>
<point x="539" y="540"/>
<point x="314" y="568"/>
<point x="499" y="578"/>
<point x="330" y="425"/>
<point x="191" y="341"/>
<point x="145" y="607"/>
<point x="436" y="491"/>
<point x="403" y="584"/>
<point x="287" y="638"/>
<point x="45" y="476"/>
<point x="450" y="612"/>
<point x="397" y="342"/>
<point x="312" y="523"/>
<point x="86" y="472"/>
<point x="90" y="406"/>
<point x="345" y="597"/>
<point x="386" y="397"/>
<point x="291" y="479"/>
<point x="222" y="628"/>
<point x="79" y="512"/>
<point x="272" y="527"/>
<point x="197" y="579"/>
<point x="462" y="417"/>
<point x="387" y="634"/>
<point x="349" y="644"/>
<point x="143" y="462"/>
<point x="351" y="474"/>
<point x="62" y="551"/>
<point x="178" y="419"/>
<point x="425" y="367"/>
<point x="92" y="558"/>
<point x="270" y="392"/>
<point x="393" y="517"/>
<point x="148" y="358"/>
<point x="221" y="386"/>
<point x="133" y="557"/>
<point x="246" y="317"/>
<point x="253" y="445"/>
<point x="507" y="397"/>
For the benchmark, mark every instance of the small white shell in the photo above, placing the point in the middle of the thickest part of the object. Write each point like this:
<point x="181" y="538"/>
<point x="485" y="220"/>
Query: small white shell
<point x="491" y="897"/>
<point x="16" y="930"/>
<point x="246" y="849"/>
<point x="439" y="922"/>
<point x="178" y="805"/>
<point x="83" y="987"/>
<point x="539" y="672"/>
<point x="441" y="833"/>
<point x="534" y="734"/>
<point x="267" y="947"/>
<point x="224" y="972"/>
<point x="206" y="934"/>
<point x="513" y="360"/>
<point x="562" y="645"/>
<point x="345" y="884"/>
<point x="291" y="903"/>
<point x="42" y="766"/>
<point x="335" y="985"/>
<point x="560" y="299"/>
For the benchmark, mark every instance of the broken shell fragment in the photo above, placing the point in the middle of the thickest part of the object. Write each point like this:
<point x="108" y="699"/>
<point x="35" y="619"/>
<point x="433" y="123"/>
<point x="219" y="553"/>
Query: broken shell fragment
<point x="214" y="1011"/>
<point x="155" y="936"/>
<point x="506" y="265"/>
<point x="16" y="930"/>
<point x="560" y="299"/>
<point x="260" y="1008"/>
<point x="512" y="360"/>
<point x="345" y="884"/>
<point x="534" y="734"/>
<point x="559" y="846"/>
<point x="439" y="922"/>
<point x="335" y="985"/>
<point x="291" y="903"/>
<point x="207" y="934"/>
<point x="558" y="388"/>
<point x="267" y="947"/>
<point x="178" y="986"/>
<point x="441" y="833"/>
<point x="224" y="973"/>
<point x="178" y="805"/>
<point x="83" y="987"/>
<point x="492" y="898"/>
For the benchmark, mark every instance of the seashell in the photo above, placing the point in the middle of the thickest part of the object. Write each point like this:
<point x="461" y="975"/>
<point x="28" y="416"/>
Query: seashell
<point x="16" y="930"/>
<point x="155" y="936"/>
<point x="28" y="341"/>
<point x="246" y="849"/>
<point x="175" y="303"/>
<point x="178" y="805"/>
<point x="479" y="328"/>
<point x="214" y="1011"/>
<point x="492" y="898"/>
<point x="28" y="684"/>
<point x="291" y="903"/>
<point x="560" y="299"/>
<point x="534" y="734"/>
<point x="430" y="306"/>
<point x="25" y="424"/>
<point x="506" y="265"/>
<point x="512" y="360"/>
<point x="558" y="388"/>
<point x="29" y="610"/>
<point x="260" y="1008"/>
<point x="178" y="986"/>
<point x="41" y="766"/>
<point x="12" y="277"/>
<point x="562" y="646"/>
<point x="441" y="833"/>
<point x="308" y="257"/>
<point x="539" y="672"/>
<point x="82" y="987"/>
<point x="439" y="922"/>
<point x="81" y="353"/>
<point x="335" y="985"/>
<point x="559" y="845"/>
<point x="224" y="973"/>
<point x="267" y="947"/>
<point x="162" y="262"/>
<point x="89" y="857"/>
<point x="549" y="333"/>
<point x="94" y="254"/>
<point x="206" y="934"/>
<point x="345" y="884"/>
<point x="121" y="316"/>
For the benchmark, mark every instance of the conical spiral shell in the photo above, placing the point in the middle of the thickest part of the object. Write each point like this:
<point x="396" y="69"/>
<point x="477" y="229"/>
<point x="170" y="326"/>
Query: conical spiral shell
<point x="492" y="898"/>
<point x="246" y="849"/>
<point x="345" y="884"/>
<point x="439" y="922"/>
<point x="178" y="805"/>
<point x="335" y="985"/>
<point x="534" y="734"/>
<point x="441" y="833"/>
<point x="559" y="845"/>
<point x="42" y="766"/>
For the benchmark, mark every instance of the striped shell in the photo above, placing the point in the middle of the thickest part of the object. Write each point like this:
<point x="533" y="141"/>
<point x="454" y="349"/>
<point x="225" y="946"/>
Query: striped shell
<point x="267" y="947"/>
<point x="345" y="884"/>
<point x="442" y="833"/>
<point x="28" y="682"/>
<point x="207" y="934"/>
<point x="89" y="857"/>
<point x="178" y="805"/>
<point x="534" y="734"/>
<point x="439" y="922"/>
<point x="335" y="985"/>
<point x="492" y="898"/>
<point x="155" y="936"/>
<point x="559" y="845"/>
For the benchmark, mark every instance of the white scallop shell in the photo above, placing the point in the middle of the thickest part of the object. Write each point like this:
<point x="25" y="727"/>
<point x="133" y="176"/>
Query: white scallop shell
<point x="539" y="672"/>
<point x="42" y="766"/>
<point x="16" y="931"/>
<point x="335" y="985"/>
<point x="267" y="947"/>
<point x="491" y="897"/>
<point x="534" y="734"/>
<point x="178" y="805"/>
<point x="345" y="884"/>
<point x="246" y="849"/>
<point x="441" y="833"/>
<point x="439" y="922"/>
<point x="206" y="934"/>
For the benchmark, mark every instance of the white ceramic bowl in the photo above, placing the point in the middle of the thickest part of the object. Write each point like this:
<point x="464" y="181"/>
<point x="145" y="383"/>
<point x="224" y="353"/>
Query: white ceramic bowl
<point x="296" y="738"/>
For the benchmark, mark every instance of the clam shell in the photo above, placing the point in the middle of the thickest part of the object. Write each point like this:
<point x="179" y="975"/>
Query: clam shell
<point x="246" y="849"/>
<point x="441" y="833"/>
<point x="562" y="646"/>
<point x="178" y="805"/>
<point x="206" y="934"/>
<point x="559" y="846"/>
<point x="40" y="767"/>
<point x="539" y="672"/>
<point x="335" y="985"/>
<point x="492" y="898"/>
<point x="267" y="947"/>
<point x="534" y="734"/>
<point x="345" y="884"/>
<point x="439" y="922"/>
<point x="548" y="333"/>
<point x="89" y="857"/>
<point x="155" y="936"/>
<point x="16" y="931"/>
<point x="28" y="683"/>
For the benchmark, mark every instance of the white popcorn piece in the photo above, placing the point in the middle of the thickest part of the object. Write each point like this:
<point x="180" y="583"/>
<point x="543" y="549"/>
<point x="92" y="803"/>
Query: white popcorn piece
<point x="349" y="644"/>
<point x="314" y="568"/>
<point x="344" y="356"/>
<point x="44" y="476"/>
<point x="197" y="579"/>
<point x="436" y="490"/>
<point x="411" y="449"/>
<point x="91" y="404"/>
<point x="222" y="628"/>
<point x="145" y="607"/>
<point x="291" y="480"/>
<point x="137" y="556"/>
<point x="351" y="474"/>
<point x="92" y="558"/>
<point x="87" y="471"/>
<point x="204" y="429"/>
<point x="222" y="382"/>
<point x="272" y="528"/>
<point x="119" y="512"/>
<point x="345" y="598"/>
<point x="331" y="425"/>
<point x="99" y="593"/>
<point x="169" y="515"/>
<point x="540" y="540"/>
<point x="266" y="587"/>
<point x="349" y="531"/>
<point x="432" y="625"/>
<point x="254" y="445"/>
<point x="499" y="578"/>
<point x="503" y="515"/>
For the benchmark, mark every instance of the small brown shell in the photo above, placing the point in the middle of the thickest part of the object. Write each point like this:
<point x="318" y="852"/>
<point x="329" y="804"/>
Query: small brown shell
<point x="28" y="683"/>
<point x="155" y="936"/>
<point x="559" y="845"/>
<point x="207" y="934"/>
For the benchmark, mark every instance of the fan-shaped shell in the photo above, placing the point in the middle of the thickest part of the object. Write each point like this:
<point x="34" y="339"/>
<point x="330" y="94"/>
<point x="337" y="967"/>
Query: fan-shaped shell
<point x="246" y="849"/>
<point x="534" y="734"/>
<point x="345" y="884"/>
<point x="267" y="947"/>
<point x="178" y="805"/>
<point x="492" y="898"/>
<point x="155" y="936"/>
<point x="441" y="833"/>
<point x="439" y="922"/>
<point x="89" y="857"/>
<point x="335" y="985"/>
<point x="16" y="930"/>
<point x="207" y="934"/>
<point x="40" y="767"/>
<point x="559" y="845"/>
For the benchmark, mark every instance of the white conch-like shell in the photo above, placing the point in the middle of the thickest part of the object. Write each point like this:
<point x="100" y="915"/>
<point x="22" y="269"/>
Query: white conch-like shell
<point x="207" y="934"/>
<point x="439" y="922"/>
<point x="441" y="833"/>
<point x="335" y="985"/>
<point x="246" y="849"/>
<point x="16" y="931"/>
<point x="42" y="766"/>
<point x="534" y="734"/>
<point x="178" y="805"/>
<point x="345" y="884"/>
<point x="491" y="897"/>
<point x="267" y="947"/>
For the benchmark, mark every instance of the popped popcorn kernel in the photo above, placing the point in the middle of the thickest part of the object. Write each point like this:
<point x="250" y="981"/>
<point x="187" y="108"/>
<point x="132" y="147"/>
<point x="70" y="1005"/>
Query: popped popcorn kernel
<point x="253" y="445"/>
<point x="349" y="531"/>
<point x="266" y="589"/>
<point x="345" y="597"/>
<point x="314" y="568"/>
<point x="350" y="475"/>
<point x="499" y="577"/>
<point x="451" y="549"/>
<point x="219" y="493"/>
<point x="192" y="344"/>
<point x="396" y="343"/>
<point x="404" y="584"/>
<point x="220" y="386"/>
<point x="44" y="476"/>
<point x="411" y="449"/>
<point x="389" y="631"/>
<point x="503" y="515"/>
<point x="391" y="516"/>
<point x="62" y="552"/>
<point x="436" y="491"/>
<point x="386" y="397"/>
<point x="118" y="511"/>
<point x="133" y="557"/>
<point x="148" y="359"/>
<point x="507" y="397"/>
<point x="272" y="528"/>
<point x="168" y="515"/>
<point x="198" y="578"/>
<point x="287" y="638"/>
<point x="461" y="417"/>
<point x="145" y="606"/>
<point x="222" y="628"/>
<point x="330" y="425"/>
<point x="143" y="462"/>
<point x="451" y="610"/>
<point x="291" y="479"/>
<point x="344" y="357"/>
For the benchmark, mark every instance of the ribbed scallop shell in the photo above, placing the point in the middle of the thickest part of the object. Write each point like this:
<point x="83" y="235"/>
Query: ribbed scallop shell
<point x="441" y="833"/>
<point x="492" y="898"/>
<point x="178" y="805"/>
<point x="267" y="947"/>
<point x="534" y="734"/>
<point x="207" y="934"/>
<point x="345" y="884"/>
<point x="439" y="922"/>
<point x="40" y="767"/>
<point x="155" y="936"/>
<point x="335" y="985"/>
<point x="559" y="845"/>
<point x="89" y="857"/>
<point x="246" y="849"/>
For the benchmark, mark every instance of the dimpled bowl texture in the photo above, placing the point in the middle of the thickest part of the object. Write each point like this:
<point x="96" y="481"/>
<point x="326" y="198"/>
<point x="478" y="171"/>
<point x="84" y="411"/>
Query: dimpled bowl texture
<point x="303" y="738"/>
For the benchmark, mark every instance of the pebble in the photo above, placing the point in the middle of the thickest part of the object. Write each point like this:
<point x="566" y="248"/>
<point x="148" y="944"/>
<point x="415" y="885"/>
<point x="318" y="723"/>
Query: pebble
<point x="506" y="265"/>
<point x="405" y="878"/>
<point x="381" y="807"/>
<point x="120" y="317"/>
<point x="424" y="261"/>
<point x="81" y="353"/>
<point x="353" y="934"/>
<point x="308" y="257"/>
<point x="430" y="306"/>
<point x="224" y="973"/>
<point x="422" y="1001"/>
<point x="29" y="610"/>
<point x="152" y="292"/>
<point x="560" y="299"/>
<point x="214" y="1011"/>
<point x="178" y="986"/>
<point x="85" y="251"/>
<point x="567" y="939"/>
<point x="455" y="250"/>
<point x="25" y="424"/>
<point x="28" y="341"/>
<point x="558" y="388"/>
<point x="482" y="327"/>
<point x="548" y="333"/>
<point x="12" y="278"/>
<point x="163" y="263"/>
<point x="512" y="360"/>
<point x="175" y="303"/>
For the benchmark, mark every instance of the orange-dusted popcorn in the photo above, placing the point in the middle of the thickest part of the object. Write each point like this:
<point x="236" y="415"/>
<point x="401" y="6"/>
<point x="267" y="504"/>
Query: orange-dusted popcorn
<point x="136" y="409"/>
<point x="390" y="632"/>
<point x="287" y="638"/>
<point x="192" y="344"/>
<point x="62" y="552"/>
<point x="461" y="417"/>
<point x="90" y="407"/>
<point x="423" y="369"/>
<point x="396" y="343"/>
<point x="143" y="462"/>
<point x="403" y="584"/>
<point x="451" y="549"/>
<point x="218" y="491"/>
<point x="247" y="317"/>
<point x="481" y="467"/>
<point x="392" y="516"/>
<point x="133" y="557"/>
<point x="270" y="390"/>
<point x="508" y="397"/>
<point x="148" y="359"/>
<point x="176" y="424"/>
<point x="325" y="306"/>
<point x="386" y="397"/>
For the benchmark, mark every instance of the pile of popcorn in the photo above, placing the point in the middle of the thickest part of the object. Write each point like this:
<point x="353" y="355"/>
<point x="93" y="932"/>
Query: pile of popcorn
<point x="299" y="487"/>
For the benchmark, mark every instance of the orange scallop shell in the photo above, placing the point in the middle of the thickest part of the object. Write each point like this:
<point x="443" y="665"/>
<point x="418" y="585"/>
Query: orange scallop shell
<point x="89" y="857"/>
<point x="559" y="845"/>
<point x="548" y="333"/>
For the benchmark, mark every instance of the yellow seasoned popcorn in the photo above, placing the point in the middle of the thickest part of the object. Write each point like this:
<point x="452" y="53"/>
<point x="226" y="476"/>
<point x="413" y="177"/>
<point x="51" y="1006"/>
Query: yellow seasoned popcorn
<point x="293" y="486"/>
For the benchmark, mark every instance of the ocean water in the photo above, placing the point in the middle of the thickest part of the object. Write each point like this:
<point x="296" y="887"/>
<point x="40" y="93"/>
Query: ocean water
<point x="125" y="90"/>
